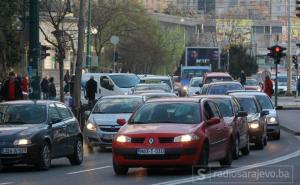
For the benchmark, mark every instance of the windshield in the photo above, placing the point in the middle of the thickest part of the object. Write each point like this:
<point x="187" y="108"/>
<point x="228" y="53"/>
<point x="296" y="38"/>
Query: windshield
<point x="251" y="82"/>
<point x="150" y="81"/>
<point x="264" y="102"/>
<point x="117" y="105"/>
<point x="196" y="82"/>
<point x="162" y="87"/>
<point x="222" y="89"/>
<point x="225" y="107"/>
<point x="125" y="81"/>
<point x="190" y="73"/>
<point x="185" y="113"/>
<point x="22" y="114"/>
<point x="248" y="105"/>
<point x="218" y="79"/>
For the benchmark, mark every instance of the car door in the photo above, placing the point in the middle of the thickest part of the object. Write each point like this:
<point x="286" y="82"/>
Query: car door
<point x="242" y="125"/>
<point x="71" y="125"/>
<point x="58" y="131"/>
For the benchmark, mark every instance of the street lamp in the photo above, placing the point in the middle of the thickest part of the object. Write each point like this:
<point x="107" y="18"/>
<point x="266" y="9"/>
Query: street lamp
<point x="88" y="38"/>
<point x="182" y="21"/>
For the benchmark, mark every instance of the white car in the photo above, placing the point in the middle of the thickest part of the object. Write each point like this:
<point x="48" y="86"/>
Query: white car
<point x="102" y="124"/>
<point x="194" y="85"/>
<point x="149" y="79"/>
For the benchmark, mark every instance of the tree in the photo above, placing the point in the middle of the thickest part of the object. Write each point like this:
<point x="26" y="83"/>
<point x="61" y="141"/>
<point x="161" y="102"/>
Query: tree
<point x="56" y="13"/>
<point x="240" y="59"/>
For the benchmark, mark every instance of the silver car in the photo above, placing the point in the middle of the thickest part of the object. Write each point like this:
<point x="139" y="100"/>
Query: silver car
<point x="102" y="123"/>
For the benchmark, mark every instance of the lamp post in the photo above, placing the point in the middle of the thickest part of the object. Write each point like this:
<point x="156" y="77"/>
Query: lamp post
<point x="88" y="38"/>
<point x="182" y="21"/>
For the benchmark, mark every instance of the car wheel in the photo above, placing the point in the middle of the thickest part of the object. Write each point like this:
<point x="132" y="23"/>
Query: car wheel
<point x="228" y="158"/>
<point x="260" y="143"/>
<point x="120" y="170"/>
<point x="236" y="149"/>
<point x="246" y="149"/>
<point x="203" y="161"/>
<point x="44" y="157"/>
<point x="77" y="157"/>
<point x="277" y="136"/>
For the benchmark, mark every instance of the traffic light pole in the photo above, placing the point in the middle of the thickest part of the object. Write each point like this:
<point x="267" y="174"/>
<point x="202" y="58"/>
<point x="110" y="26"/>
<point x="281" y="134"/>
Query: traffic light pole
<point x="88" y="38"/>
<point x="276" y="82"/>
<point x="34" y="50"/>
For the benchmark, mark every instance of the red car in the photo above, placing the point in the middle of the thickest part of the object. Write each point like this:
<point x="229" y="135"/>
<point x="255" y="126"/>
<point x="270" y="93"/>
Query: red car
<point x="170" y="133"/>
<point x="236" y="120"/>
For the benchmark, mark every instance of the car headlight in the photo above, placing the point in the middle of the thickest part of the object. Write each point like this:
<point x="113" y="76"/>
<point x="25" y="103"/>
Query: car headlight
<point x="254" y="125"/>
<point x="271" y="120"/>
<point x="22" y="142"/>
<point x="91" y="127"/>
<point x="258" y="89"/>
<point x="123" y="139"/>
<point x="186" y="138"/>
<point x="185" y="88"/>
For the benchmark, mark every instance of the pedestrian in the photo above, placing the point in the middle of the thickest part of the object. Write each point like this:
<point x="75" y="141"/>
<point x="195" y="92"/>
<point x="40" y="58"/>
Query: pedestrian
<point x="91" y="89"/>
<point x="67" y="82"/>
<point x="52" y="89"/>
<point x="25" y="86"/>
<point x="45" y="87"/>
<point x="268" y="86"/>
<point x="243" y="78"/>
<point x="12" y="89"/>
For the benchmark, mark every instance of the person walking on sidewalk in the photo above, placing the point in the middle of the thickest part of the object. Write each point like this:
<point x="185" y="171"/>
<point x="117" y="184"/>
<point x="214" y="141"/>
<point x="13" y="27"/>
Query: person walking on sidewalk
<point x="52" y="89"/>
<point x="12" y="89"/>
<point x="268" y="86"/>
<point x="91" y="89"/>
<point x="243" y="78"/>
<point x="67" y="82"/>
<point x="45" y="87"/>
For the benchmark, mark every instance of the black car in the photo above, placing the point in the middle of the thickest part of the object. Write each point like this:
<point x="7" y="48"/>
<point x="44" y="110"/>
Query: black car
<point x="34" y="132"/>
<point x="256" y="119"/>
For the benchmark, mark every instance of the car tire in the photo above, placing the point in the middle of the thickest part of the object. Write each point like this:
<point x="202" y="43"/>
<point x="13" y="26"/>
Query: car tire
<point x="246" y="149"/>
<point x="203" y="161"/>
<point x="259" y="144"/>
<point x="277" y="136"/>
<point x="236" y="149"/>
<point x="120" y="170"/>
<point x="44" y="157"/>
<point x="77" y="157"/>
<point x="228" y="158"/>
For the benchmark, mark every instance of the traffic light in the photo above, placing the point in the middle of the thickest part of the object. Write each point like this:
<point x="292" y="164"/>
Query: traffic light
<point x="297" y="8"/>
<point x="276" y="52"/>
<point x="44" y="53"/>
<point x="295" y="61"/>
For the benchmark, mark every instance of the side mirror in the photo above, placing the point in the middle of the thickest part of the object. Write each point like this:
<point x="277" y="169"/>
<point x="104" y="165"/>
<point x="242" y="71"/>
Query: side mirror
<point x="242" y="114"/>
<point x="264" y="113"/>
<point x="55" y="120"/>
<point x="213" y="121"/>
<point x="121" y="121"/>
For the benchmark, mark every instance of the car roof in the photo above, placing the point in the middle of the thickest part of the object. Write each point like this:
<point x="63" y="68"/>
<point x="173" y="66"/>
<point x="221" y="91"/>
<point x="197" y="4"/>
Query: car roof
<point x="121" y="96"/>
<point x="244" y="96"/>
<point x="214" y="96"/>
<point x="196" y="78"/>
<point x="155" y="77"/>
<point x="152" y="84"/>
<point x="243" y="92"/>
<point x="224" y="82"/>
<point x="110" y="74"/>
<point x="212" y="74"/>
<point x="28" y="102"/>
<point x="157" y="93"/>
<point x="176" y="99"/>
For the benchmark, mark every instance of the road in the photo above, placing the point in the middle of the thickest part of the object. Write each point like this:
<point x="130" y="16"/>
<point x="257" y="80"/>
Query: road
<point x="282" y="156"/>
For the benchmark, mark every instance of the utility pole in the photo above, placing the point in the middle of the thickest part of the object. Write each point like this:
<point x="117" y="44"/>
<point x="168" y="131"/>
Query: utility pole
<point x="289" y="67"/>
<point x="34" y="50"/>
<point x="88" y="38"/>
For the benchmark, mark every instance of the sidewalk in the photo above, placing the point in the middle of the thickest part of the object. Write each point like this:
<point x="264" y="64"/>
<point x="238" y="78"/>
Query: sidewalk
<point x="289" y="121"/>
<point x="288" y="102"/>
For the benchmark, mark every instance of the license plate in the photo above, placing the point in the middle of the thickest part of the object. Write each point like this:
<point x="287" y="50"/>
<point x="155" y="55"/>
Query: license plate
<point x="8" y="151"/>
<point x="150" y="151"/>
<point x="108" y="136"/>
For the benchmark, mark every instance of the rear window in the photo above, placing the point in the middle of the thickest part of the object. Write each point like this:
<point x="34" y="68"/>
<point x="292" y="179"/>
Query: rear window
<point x="151" y="81"/>
<point x="218" y="79"/>
<point x="222" y="89"/>
<point x="181" y="113"/>
<point x="225" y="107"/>
<point x="196" y="82"/>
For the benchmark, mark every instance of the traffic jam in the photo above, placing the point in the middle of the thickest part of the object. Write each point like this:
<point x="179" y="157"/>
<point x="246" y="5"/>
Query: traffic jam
<point x="146" y="120"/>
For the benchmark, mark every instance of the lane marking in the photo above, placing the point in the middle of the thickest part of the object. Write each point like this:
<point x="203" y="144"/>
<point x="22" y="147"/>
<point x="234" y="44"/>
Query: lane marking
<point x="88" y="170"/>
<point x="6" y="183"/>
<point x="216" y="174"/>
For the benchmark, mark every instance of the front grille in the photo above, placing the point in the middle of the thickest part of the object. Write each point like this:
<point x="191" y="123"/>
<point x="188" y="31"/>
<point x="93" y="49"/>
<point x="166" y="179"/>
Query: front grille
<point x="166" y="139"/>
<point x="106" y="140"/>
<point x="109" y="129"/>
<point x="152" y="157"/>
<point x="137" y="140"/>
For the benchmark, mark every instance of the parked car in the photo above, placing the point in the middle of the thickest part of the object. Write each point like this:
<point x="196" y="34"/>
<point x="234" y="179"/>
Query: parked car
<point x="194" y="85"/>
<point x="236" y="120"/>
<point x="256" y="119"/>
<point x="210" y="77"/>
<point x="144" y="88"/>
<point x="35" y="132"/>
<point x="273" y="126"/>
<point x="252" y="84"/>
<point x="221" y="88"/>
<point x="172" y="132"/>
<point x="102" y="124"/>
<point x="152" y="95"/>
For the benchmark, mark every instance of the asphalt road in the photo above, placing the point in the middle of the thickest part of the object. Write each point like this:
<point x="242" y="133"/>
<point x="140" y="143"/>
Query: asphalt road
<point x="278" y="163"/>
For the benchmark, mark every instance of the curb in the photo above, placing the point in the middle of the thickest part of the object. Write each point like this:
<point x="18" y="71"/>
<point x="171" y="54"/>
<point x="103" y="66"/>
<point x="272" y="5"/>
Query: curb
<point x="280" y="107"/>
<point x="297" y="133"/>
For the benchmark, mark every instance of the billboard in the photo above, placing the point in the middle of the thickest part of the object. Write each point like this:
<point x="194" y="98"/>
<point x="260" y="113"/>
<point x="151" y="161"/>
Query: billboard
<point x="202" y="56"/>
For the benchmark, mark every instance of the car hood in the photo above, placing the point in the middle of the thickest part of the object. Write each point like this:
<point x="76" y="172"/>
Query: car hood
<point x="164" y="128"/>
<point x="108" y="119"/>
<point x="12" y="131"/>
<point x="253" y="117"/>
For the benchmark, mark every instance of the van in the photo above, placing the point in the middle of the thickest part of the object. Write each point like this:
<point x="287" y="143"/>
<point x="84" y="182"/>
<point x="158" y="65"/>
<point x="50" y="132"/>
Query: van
<point x="109" y="84"/>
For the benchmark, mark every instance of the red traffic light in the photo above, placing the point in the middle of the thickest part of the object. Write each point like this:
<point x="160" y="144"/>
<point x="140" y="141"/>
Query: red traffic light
<point x="277" y="49"/>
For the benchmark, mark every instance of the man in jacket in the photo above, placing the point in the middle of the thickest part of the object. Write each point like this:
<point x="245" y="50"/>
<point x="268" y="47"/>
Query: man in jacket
<point x="12" y="89"/>
<point x="91" y="89"/>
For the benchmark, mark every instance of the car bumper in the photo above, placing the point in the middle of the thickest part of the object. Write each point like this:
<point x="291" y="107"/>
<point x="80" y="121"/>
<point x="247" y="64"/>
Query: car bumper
<point x="255" y="134"/>
<point x="30" y="157"/>
<point x="100" y="138"/>
<point x="273" y="129"/>
<point x="174" y="156"/>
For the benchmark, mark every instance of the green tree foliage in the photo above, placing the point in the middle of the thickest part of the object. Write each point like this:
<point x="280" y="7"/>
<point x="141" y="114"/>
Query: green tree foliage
<point x="239" y="60"/>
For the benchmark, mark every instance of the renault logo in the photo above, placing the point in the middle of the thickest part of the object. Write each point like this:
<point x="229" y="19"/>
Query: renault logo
<point x="151" y="141"/>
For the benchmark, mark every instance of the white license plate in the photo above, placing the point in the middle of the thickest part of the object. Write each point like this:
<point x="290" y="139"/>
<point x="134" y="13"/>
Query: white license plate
<point x="8" y="151"/>
<point x="108" y="136"/>
<point x="150" y="151"/>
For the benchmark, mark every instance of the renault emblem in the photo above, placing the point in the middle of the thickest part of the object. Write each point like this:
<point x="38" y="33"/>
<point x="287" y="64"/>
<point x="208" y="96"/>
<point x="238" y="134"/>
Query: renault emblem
<point x="151" y="141"/>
